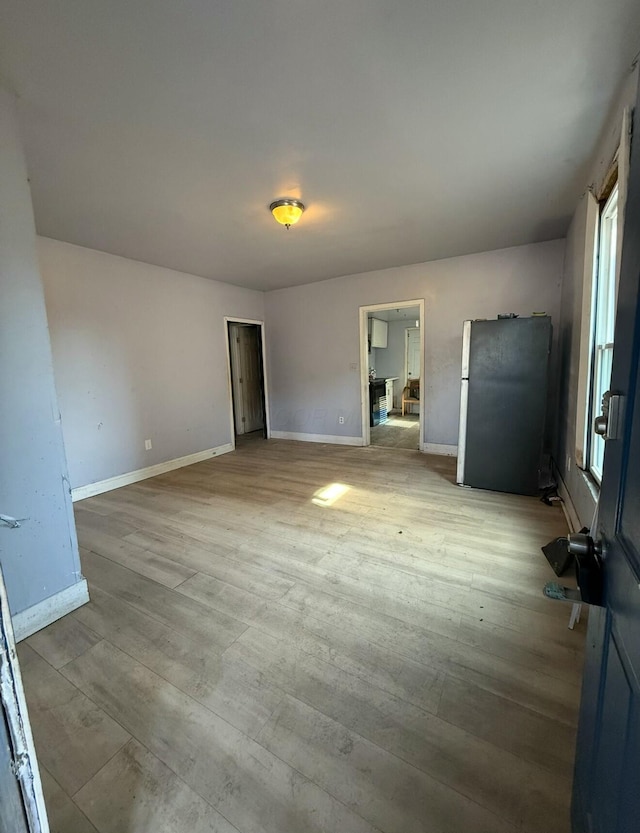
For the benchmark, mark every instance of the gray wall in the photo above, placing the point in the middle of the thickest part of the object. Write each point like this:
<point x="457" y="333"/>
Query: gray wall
<point x="41" y="557"/>
<point x="314" y="332"/>
<point x="582" y="490"/>
<point x="139" y="353"/>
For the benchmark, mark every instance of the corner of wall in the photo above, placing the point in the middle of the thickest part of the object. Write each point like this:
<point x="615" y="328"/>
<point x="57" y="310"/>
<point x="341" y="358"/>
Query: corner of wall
<point x="49" y="610"/>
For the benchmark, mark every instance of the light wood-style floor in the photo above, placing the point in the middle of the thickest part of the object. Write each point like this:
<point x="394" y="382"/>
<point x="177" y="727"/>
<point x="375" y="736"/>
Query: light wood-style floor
<point x="262" y="653"/>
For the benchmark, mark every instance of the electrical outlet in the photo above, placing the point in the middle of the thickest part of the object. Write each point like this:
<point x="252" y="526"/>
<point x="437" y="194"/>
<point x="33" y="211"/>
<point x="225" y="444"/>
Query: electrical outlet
<point x="147" y="445"/>
<point x="341" y="420"/>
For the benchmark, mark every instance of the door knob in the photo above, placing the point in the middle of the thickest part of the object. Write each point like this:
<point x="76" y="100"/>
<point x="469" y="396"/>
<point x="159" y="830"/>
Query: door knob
<point x="600" y="425"/>
<point x="610" y="423"/>
<point x="589" y="573"/>
<point x="582" y="544"/>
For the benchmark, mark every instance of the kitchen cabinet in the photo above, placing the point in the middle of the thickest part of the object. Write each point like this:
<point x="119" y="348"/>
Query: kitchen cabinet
<point x="378" y="332"/>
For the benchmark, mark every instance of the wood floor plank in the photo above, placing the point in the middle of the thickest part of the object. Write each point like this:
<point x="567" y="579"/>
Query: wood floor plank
<point x="159" y="602"/>
<point x="505" y="784"/>
<point x="248" y="785"/>
<point x="136" y="790"/>
<point x="348" y="562"/>
<point x="212" y="562"/>
<point x="532" y="689"/>
<point x="517" y="562"/>
<point x="63" y="641"/>
<point x="387" y="791"/>
<point x="503" y="608"/>
<point x="551" y="696"/>
<point x="197" y="666"/>
<point x="229" y="534"/>
<point x="351" y="589"/>
<point x="223" y="597"/>
<point x="90" y="518"/>
<point x="349" y="650"/>
<point x="135" y="558"/>
<point x="538" y="738"/>
<point x="74" y="738"/>
<point x="547" y="656"/>
<point x="64" y="816"/>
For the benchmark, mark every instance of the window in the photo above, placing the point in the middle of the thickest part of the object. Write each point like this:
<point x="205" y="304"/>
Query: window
<point x="594" y="261"/>
<point x="604" y="313"/>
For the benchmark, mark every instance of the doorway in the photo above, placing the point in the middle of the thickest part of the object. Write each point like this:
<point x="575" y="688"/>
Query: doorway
<point x="392" y="373"/>
<point x="247" y="380"/>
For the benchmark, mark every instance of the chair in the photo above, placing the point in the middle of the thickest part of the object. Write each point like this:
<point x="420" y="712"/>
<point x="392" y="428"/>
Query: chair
<point x="411" y="394"/>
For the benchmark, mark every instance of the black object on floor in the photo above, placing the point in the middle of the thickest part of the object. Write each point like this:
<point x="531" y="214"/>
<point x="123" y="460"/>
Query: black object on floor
<point x="558" y="555"/>
<point x="549" y="495"/>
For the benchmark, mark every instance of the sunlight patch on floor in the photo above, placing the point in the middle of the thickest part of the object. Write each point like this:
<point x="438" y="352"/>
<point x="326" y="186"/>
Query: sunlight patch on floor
<point x="400" y="422"/>
<point x="328" y="495"/>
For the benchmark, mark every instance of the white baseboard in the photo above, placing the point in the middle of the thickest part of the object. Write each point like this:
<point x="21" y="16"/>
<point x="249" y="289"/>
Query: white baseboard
<point x="91" y="489"/>
<point x="49" y="610"/>
<point x="568" y="508"/>
<point x="440" y="448"/>
<point x="332" y="439"/>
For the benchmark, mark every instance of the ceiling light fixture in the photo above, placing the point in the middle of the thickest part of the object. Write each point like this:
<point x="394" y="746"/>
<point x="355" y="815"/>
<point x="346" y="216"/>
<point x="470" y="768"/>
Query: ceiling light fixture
<point x="287" y="212"/>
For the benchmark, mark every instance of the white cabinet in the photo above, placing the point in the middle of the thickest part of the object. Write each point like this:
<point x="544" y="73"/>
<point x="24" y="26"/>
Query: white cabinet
<point x="378" y="332"/>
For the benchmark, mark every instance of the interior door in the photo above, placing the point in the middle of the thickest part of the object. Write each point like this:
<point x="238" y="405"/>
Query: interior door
<point x="251" y="364"/>
<point x="22" y="807"/>
<point x="236" y="378"/>
<point x="606" y="794"/>
<point x="413" y="353"/>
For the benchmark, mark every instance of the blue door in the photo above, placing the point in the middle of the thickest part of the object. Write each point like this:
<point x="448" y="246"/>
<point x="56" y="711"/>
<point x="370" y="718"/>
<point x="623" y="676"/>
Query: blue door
<point x="606" y="793"/>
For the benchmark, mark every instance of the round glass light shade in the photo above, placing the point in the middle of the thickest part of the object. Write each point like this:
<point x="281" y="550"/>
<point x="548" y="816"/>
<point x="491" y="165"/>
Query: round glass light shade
<point x="287" y="212"/>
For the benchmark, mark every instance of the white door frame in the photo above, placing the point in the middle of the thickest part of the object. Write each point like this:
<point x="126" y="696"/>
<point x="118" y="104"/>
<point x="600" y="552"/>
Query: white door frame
<point x="364" y="365"/>
<point x="232" y="319"/>
<point x="13" y="706"/>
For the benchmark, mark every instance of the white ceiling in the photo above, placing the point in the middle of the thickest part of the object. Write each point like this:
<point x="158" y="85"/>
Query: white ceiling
<point x="413" y="130"/>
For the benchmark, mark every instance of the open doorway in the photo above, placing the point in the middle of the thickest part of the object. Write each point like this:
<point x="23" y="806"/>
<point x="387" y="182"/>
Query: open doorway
<point x="392" y="374"/>
<point x="247" y="380"/>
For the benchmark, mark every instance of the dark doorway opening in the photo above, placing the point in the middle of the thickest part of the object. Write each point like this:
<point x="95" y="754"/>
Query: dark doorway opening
<point x="246" y="370"/>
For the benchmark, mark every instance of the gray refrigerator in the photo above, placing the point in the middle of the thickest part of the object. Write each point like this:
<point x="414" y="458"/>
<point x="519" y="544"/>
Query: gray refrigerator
<point x="503" y="403"/>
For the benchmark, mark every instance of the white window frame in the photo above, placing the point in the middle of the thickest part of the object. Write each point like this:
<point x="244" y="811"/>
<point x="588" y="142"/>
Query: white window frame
<point x="604" y="318"/>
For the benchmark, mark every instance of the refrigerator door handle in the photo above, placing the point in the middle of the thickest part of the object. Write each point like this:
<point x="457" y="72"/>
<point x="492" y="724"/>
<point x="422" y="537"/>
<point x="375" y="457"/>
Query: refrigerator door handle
<point x="464" y="398"/>
<point x="462" y="433"/>
<point x="466" y="348"/>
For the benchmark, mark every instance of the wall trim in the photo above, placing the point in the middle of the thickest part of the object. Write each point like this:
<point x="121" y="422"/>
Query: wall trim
<point x="573" y="521"/>
<point x="49" y="610"/>
<point x="331" y="439"/>
<point x="440" y="448"/>
<point x="91" y="489"/>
